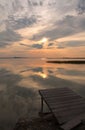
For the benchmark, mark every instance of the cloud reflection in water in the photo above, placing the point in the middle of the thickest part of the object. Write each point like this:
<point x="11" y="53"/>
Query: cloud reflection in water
<point x="20" y="81"/>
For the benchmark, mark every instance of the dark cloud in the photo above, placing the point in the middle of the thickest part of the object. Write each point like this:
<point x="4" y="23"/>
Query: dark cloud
<point x="35" y="3"/>
<point x="38" y="69"/>
<point x="50" y="44"/>
<point x="60" y="47"/>
<point x="69" y="25"/>
<point x="22" y="44"/>
<point x="24" y="92"/>
<point x="71" y="72"/>
<point x="70" y="44"/>
<point x="5" y="77"/>
<point x="81" y="6"/>
<point x="37" y="46"/>
<point x="33" y="46"/>
<point x="4" y="44"/>
<point x="17" y="6"/>
<point x="75" y="43"/>
<point x="21" y="22"/>
<point x="1" y="7"/>
<point x="8" y="37"/>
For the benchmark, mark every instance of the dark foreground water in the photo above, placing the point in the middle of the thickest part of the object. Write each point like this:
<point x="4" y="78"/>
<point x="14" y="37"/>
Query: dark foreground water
<point x="20" y="80"/>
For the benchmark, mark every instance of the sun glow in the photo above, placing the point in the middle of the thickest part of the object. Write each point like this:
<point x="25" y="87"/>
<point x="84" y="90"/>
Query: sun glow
<point x="43" y="75"/>
<point x="44" y="40"/>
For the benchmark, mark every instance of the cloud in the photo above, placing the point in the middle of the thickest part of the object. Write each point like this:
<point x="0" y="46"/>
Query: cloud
<point x="15" y="100"/>
<point x="71" y="72"/>
<point x="52" y="81"/>
<point x="36" y="3"/>
<point x="37" y="46"/>
<point x="8" y="37"/>
<point x="38" y="69"/>
<point x="59" y="45"/>
<point x="50" y="44"/>
<point x="22" y="44"/>
<point x="20" y="23"/>
<point x="33" y="46"/>
<point x="75" y="43"/>
<point x="81" y="6"/>
<point x="36" y="19"/>
<point x="62" y="45"/>
<point x="68" y="26"/>
<point x="5" y="77"/>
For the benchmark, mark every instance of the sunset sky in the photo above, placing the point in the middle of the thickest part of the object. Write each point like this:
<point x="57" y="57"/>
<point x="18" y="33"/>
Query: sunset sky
<point x="42" y="28"/>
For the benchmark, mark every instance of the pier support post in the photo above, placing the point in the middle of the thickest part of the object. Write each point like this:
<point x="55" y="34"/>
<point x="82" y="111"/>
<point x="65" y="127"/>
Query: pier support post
<point x="41" y="109"/>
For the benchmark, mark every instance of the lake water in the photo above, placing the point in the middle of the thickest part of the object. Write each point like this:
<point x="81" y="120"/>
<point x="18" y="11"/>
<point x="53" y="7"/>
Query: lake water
<point x="20" y="80"/>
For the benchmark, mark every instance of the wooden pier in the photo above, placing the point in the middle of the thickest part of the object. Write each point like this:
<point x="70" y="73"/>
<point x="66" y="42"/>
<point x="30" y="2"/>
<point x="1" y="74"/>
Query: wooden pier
<point x="66" y="106"/>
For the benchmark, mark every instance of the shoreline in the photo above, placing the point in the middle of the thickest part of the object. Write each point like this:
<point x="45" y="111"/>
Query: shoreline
<point x="46" y="122"/>
<point x="67" y="61"/>
<point x="37" y="123"/>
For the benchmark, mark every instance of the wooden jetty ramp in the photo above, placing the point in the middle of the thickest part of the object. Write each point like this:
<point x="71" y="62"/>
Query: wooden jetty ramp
<point x="66" y="106"/>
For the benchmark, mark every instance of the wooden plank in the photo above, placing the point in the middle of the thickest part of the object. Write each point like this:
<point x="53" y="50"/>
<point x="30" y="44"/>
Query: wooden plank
<point x="73" y="99"/>
<point x="57" y="95"/>
<point x="63" y="103"/>
<point x="61" y="100"/>
<point x="71" y="124"/>
<point x="67" y="102"/>
<point x="65" y="110"/>
<point x="55" y="92"/>
<point x="74" y="122"/>
<point x="64" y="117"/>
<point x="63" y="97"/>
<point x="55" y="89"/>
<point x="59" y="105"/>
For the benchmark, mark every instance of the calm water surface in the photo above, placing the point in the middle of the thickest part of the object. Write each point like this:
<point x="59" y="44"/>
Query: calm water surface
<point x="20" y="80"/>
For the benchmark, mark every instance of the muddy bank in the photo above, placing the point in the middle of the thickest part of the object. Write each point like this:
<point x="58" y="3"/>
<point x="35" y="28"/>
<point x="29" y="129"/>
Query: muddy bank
<point x="47" y="122"/>
<point x="37" y="123"/>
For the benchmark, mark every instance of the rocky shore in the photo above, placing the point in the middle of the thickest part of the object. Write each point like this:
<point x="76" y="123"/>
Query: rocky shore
<point x="47" y="122"/>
